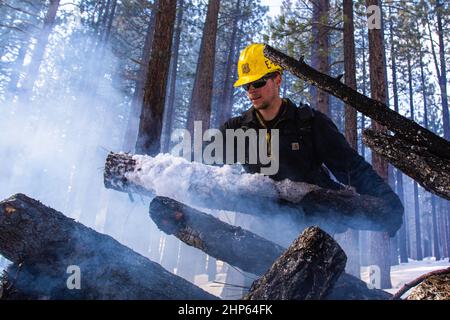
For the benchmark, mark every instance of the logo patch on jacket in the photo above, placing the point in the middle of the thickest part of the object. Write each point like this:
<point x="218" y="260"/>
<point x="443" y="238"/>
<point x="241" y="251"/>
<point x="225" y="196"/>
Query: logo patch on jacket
<point x="295" y="146"/>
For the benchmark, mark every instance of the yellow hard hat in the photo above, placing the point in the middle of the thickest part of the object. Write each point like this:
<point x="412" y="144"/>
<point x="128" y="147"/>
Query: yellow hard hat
<point x="253" y="65"/>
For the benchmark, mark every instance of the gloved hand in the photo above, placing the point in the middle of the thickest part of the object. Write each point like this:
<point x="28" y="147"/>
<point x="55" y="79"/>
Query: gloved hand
<point x="394" y="212"/>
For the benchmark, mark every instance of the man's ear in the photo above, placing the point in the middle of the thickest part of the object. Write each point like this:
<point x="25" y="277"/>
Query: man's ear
<point x="278" y="80"/>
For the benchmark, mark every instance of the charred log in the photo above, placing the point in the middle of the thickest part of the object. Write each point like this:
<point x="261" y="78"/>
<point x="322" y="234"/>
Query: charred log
<point x="334" y="210"/>
<point x="436" y="287"/>
<point x="403" y="127"/>
<point x="46" y="243"/>
<point x="307" y="270"/>
<point x="430" y="171"/>
<point x="237" y="246"/>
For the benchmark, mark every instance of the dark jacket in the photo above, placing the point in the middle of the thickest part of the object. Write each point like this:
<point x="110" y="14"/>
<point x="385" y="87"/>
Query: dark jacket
<point x="310" y="145"/>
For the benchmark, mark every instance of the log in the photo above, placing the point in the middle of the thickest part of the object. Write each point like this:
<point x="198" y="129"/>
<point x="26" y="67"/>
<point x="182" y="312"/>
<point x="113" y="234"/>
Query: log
<point x="431" y="172"/>
<point x="214" y="237"/>
<point x="376" y="110"/>
<point x="239" y="247"/>
<point x="436" y="287"/>
<point x="221" y="188"/>
<point x="46" y="243"/>
<point x="307" y="270"/>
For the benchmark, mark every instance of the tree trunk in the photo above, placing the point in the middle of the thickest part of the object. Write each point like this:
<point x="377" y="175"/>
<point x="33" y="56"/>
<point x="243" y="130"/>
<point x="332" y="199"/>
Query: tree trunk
<point x="436" y="247"/>
<point x="320" y="51"/>
<point x="39" y="50"/>
<point x="46" y="243"/>
<point x="200" y="105"/>
<point x="171" y="94"/>
<point x="377" y="65"/>
<point x="150" y="125"/>
<point x="402" y="237"/>
<point x="237" y="246"/>
<point x="443" y="71"/>
<point x="227" y="91"/>
<point x="350" y="239"/>
<point x="138" y="95"/>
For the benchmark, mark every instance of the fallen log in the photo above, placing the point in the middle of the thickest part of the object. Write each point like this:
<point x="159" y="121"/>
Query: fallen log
<point x="46" y="243"/>
<point x="431" y="172"/>
<point x="405" y="128"/>
<point x="307" y="270"/>
<point x="434" y="285"/>
<point x="239" y="247"/>
<point x="221" y="188"/>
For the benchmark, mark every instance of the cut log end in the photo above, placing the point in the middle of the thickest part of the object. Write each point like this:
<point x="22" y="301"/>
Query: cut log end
<point x="307" y="270"/>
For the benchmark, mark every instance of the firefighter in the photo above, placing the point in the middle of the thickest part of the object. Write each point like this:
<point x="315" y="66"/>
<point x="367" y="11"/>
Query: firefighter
<point x="311" y="148"/>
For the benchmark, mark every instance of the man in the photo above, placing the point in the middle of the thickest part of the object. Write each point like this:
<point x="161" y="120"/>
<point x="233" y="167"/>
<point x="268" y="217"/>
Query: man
<point x="310" y="145"/>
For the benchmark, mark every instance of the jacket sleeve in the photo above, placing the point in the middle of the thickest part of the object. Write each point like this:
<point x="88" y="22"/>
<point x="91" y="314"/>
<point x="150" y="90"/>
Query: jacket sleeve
<point x="350" y="168"/>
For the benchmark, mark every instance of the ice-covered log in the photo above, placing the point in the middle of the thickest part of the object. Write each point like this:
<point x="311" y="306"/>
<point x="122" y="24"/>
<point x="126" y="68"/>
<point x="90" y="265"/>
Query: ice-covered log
<point x="239" y="247"/>
<point x="48" y="244"/>
<point x="226" y="189"/>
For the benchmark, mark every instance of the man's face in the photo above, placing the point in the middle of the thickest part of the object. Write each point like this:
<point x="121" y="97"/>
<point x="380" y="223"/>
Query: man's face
<point x="264" y="96"/>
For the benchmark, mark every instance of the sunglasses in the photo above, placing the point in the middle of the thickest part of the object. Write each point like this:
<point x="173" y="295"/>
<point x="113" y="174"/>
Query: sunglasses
<point x="259" y="83"/>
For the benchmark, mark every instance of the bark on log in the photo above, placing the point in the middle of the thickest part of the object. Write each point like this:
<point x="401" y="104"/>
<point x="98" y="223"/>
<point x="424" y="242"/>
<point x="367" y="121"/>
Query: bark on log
<point x="239" y="247"/>
<point x="436" y="287"/>
<point x="207" y="186"/>
<point x="401" y="126"/>
<point x="431" y="172"/>
<point x="307" y="270"/>
<point x="46" y="242"/>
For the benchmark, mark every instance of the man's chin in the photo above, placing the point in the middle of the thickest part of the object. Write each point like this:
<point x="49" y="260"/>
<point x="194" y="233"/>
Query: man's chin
<point x="260" y="106"/>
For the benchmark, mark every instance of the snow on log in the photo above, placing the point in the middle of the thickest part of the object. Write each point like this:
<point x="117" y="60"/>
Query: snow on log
<point x="48" y="248"/>
<point x="430" y="171"/>
<point x="307" y="270"/>
<point x="239" y="247"/>
<point x="376" y="110"/>
<point x="224" y="188"/>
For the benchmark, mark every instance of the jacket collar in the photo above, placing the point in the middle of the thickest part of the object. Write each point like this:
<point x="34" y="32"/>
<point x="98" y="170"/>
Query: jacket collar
<point x="249" y="116"/>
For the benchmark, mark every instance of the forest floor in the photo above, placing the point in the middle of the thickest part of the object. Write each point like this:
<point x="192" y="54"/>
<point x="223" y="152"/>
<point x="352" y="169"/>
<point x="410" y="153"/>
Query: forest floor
<point x="400" y="274"/>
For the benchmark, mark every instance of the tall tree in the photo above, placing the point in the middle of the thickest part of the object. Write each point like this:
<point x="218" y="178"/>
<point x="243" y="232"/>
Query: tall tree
<point x="136" y="102"/>
<point x="169" y="110"/>
<point x="377" y="66"/>
<point x="351" y="237"/>
<point x="200" y="104"/>
<point x="418" y="234"/>
<point x="441" y="69"/>
<point x="320" y="50"/>
<point x="150" y="126"/>
<point x="39" y="50"/>
<point x="227" y="90"/>
<point x="402" y="240"/>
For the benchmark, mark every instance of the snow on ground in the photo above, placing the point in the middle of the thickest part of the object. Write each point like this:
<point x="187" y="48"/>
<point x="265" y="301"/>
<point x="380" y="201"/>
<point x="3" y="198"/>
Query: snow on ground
<point x="406" y="272"/>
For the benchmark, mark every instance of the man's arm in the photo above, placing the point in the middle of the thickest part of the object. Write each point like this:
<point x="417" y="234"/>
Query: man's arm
<point x="350" y="168"/>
